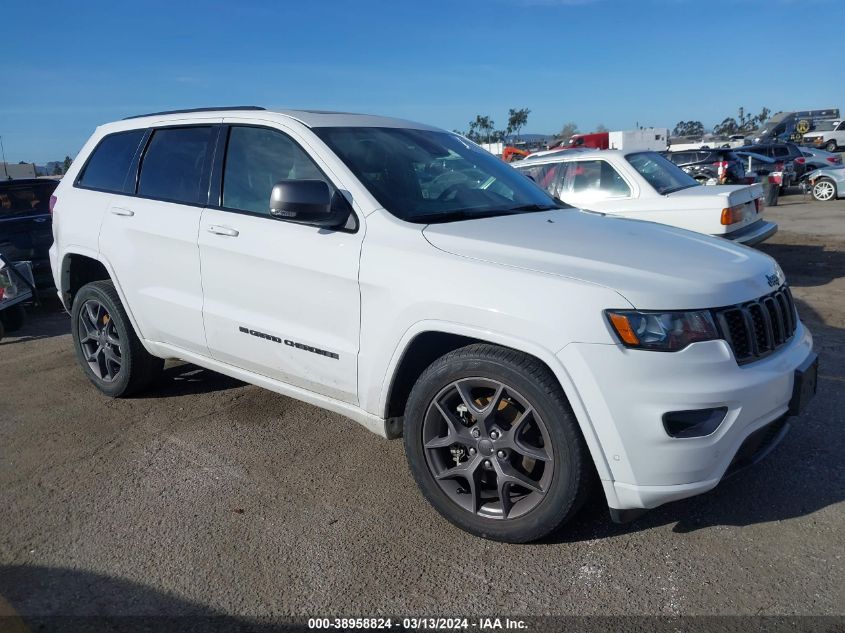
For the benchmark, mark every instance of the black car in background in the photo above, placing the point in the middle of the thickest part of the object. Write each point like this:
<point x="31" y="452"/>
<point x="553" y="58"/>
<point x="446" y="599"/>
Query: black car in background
<point x="722" y="164"/>
<point x="782" y="153"/>
<point x="26" y="227"/>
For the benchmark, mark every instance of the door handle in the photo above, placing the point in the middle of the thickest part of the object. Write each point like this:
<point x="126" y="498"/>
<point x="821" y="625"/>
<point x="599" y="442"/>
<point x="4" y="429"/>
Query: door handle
<point x="121" y="211"/>
<point x="222" y="230"/>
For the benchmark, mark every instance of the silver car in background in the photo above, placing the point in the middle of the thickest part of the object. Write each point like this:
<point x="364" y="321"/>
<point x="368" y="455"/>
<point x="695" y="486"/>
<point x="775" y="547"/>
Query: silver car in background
<point x="827" y="184"/>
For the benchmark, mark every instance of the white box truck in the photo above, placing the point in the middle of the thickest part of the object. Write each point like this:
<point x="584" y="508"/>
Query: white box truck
<point x="644" y="139"/>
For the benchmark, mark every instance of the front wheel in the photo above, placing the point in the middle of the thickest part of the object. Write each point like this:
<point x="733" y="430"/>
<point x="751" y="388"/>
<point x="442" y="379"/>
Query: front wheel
<point x="107" y="348"/>
<point x="824" y="190"/>
<point x="831" y="146"/>
<point x="494" y="446"/>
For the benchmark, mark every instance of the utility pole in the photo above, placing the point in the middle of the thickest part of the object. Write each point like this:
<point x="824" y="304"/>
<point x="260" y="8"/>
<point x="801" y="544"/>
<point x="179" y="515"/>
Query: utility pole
<point x="3" y="151"/>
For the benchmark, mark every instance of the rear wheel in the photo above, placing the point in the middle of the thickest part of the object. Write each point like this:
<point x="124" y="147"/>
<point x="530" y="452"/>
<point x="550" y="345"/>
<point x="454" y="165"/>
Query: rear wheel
<point x="824" y="190"/>
<point x="107" y="348"/>
<point x="494" y="446"/>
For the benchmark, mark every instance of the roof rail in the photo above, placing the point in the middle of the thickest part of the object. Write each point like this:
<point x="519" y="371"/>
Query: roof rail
<point x="138" y="116"/>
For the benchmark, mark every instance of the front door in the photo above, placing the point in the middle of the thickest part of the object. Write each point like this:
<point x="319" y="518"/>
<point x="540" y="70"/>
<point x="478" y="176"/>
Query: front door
<point x="280" y="299"/>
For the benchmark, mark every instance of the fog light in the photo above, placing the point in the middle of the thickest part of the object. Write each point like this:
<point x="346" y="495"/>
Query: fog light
<point x="697" y="423"/>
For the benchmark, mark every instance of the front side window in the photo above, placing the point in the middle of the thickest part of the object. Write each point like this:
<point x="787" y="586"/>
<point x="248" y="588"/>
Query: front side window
<point x="428" y="176"/>
<point x="663" y="175"/>
<point x="172" y="168"/>
<point x="258" y="158"/>
<point x="598" y="179"/>
<point x="109" y="163"/>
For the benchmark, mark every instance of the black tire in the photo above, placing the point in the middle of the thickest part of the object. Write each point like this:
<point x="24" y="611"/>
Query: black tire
<point x="831" y="146"/>
<point x="138" y="368"/>
<point x="572" y="473"/>
<point x="13" y="318"/>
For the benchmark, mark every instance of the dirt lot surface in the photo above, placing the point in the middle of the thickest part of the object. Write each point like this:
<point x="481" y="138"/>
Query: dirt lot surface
<point x="210" y="496"/>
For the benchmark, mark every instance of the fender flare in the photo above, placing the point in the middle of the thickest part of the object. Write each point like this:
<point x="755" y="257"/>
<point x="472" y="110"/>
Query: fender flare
<point x="91" y="254"/>
<point x="545" y="355"/>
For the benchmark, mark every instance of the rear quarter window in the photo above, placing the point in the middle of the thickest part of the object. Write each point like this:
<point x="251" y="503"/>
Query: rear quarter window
<point x="109" y="163"/>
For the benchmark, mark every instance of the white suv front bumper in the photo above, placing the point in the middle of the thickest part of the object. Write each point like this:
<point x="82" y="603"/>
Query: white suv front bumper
<point x="625" y="394"/>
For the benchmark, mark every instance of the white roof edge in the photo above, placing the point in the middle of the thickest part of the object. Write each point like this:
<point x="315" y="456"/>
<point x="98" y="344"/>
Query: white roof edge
<point x="308" y="118"/>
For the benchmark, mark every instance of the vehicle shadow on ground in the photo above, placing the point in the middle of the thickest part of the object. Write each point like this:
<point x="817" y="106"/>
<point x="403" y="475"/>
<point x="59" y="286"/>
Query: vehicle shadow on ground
<point x="58" y="599"/>
<point x="43" y="321"/>
<point x="802" y="475"/>
<point x="185" y="379"/>
<point x="807" y="265"/>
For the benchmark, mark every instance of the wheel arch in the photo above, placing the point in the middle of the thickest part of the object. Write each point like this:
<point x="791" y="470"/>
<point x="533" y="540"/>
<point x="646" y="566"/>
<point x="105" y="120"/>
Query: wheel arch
<point x="427" y="342"/>
<point x="80" y="267"/>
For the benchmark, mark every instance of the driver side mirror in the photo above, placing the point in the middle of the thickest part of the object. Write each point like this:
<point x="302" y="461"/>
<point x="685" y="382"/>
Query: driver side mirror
<point x="303" y="201"/>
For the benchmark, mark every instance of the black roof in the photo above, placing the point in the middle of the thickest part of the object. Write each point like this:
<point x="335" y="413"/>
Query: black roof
<point x="189" y="110"/>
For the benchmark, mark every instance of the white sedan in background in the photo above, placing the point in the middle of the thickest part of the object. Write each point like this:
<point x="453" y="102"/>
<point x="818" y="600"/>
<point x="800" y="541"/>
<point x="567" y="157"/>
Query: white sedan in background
<point x="646" y="186"/>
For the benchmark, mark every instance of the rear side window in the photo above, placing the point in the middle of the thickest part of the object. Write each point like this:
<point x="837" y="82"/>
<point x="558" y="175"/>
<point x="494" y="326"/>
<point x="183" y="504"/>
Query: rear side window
<point x="597" y="176"/>
<point x="173" y="165"/>
<point x="108" y="165"/>
<point x="258" y="158"/>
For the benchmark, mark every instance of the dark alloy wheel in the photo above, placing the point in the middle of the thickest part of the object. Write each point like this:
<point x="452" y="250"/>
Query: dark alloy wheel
<point x="494" y="446"/>
<point x="109" y="351"/>
<point x="100" y="340"/>
<point x="488" y="448"/>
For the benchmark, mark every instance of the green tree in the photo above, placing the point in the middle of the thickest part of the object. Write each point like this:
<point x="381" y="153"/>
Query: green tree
<point x="568" y="130"/>
<point x="601" y="128"/>
<point x="688" y="128"/>
<point x="66" y="164"/>
<point x="484" y="125"/>
<point x="727" y="127"/>
<point x="517" y="119"/>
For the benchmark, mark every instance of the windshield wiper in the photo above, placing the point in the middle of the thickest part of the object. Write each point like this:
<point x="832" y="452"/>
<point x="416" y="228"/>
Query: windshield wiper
<point x="534" y="207"/>
<point x="466" y="214"/>
<point x="461" y="214"/>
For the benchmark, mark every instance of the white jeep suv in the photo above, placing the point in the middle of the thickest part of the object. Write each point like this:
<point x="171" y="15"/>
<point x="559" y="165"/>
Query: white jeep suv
<point x="401" y="276"/>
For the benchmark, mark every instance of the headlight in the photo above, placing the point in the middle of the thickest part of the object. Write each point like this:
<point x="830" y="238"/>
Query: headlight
<point x="662" y="331"/>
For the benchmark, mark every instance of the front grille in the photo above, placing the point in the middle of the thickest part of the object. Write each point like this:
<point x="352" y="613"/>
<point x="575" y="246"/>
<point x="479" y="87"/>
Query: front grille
<point x="758" y="328"/>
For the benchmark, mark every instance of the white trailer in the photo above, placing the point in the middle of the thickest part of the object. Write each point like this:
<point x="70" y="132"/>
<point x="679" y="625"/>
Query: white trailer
<point x="644" y="139"/>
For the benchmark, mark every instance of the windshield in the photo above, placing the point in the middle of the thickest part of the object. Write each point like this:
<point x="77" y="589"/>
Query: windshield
<point x="662" y="174"/>
<point x="429" y="176"/>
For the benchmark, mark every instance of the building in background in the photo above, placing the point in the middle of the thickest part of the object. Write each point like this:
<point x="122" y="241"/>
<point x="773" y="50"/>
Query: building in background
<point x="13" y="171"/>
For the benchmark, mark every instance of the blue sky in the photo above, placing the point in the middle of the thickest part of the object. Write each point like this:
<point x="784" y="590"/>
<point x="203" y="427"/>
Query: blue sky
<point x="616" y="62"/>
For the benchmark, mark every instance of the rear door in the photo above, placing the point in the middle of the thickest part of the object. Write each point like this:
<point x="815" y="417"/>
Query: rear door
<point x="281" y="299"/>
<point x="150" y="239"/>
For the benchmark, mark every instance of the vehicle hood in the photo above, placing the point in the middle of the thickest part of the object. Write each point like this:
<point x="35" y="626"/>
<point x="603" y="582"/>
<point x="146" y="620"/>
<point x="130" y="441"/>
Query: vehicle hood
<point x="730" y="194"/>
<point x="653" y="266"/>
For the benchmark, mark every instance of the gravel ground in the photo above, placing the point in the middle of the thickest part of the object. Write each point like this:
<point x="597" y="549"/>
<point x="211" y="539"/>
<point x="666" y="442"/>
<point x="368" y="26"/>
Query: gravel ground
<point x="209" y="496"/>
